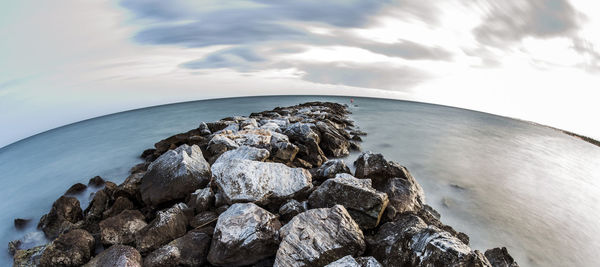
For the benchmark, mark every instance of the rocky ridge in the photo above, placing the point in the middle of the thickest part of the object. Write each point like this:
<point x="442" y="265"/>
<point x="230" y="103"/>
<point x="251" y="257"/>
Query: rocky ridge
<point x="270" y="189"/>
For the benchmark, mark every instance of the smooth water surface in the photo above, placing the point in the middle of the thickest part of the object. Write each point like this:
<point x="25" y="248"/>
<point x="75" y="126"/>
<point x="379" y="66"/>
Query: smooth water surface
<point x="503" y="182"/>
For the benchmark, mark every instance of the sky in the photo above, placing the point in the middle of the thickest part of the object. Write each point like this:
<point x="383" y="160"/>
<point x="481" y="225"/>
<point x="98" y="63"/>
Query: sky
<point x="63" y="61"/>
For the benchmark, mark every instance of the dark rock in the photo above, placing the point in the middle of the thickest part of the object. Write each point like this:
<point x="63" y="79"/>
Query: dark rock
<point x="142" y="167"/>
<point x="98" y="205"/>
<point x="307" y="140"/>
<point x="330" y="168"/>
<point x="201" y="200"/>
<point x="21" y="223"/>
<point x="168" y="225"/>
<point x="354" y="146"/>
<point x="204" y="218"/>
<point x="188" y="250"/>
<point x="64" y="214"/>
<point x="404" y="195"/>
<point x="432" y="217"/>
<point x="318" y="237"/>
<point x="76" y="189"/>
<point x="291" y="209"/>
<point x="97" y="181"/>
<point x="244" y="234"/>
<point x="73" y="248"/>
<point x="28" y="257"/>
<point x="365" y="204"/>
<point x="298" y="162"/>
<point x="333" y="141"/>
<point x="284" y="152"/>
<point x="121" y="229"/>
<point x="368" y="262"/>
<point x="174" y="175"/>
<point x="148" y="154"/>
<point x="130" y="188"/>
<point x="356" y="138"/>
<point x="117" y="255"/>
<point x="499" y="257"/>
<point x="203" y="129"/>
<point x="13" y="246"/>
<point x="121" y="204"/>
<point x="221" y="209"/>
<point x="358" y="132"/>
<point x="375" y="167"/>
<point x="220" y="144"/>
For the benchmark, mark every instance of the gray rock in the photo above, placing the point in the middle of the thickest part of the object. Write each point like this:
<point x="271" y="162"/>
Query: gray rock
<point x="130" y="188"/>
<point x="118" y="256"/>
<point x="318" y="237"/>
<point x="97" y="206"/>
<point x="349" y="261"/>
<point x="203" y="129"/>
<point x="409" y="241"/>
<point x="284" y="151"/>
<point x="330" y="168"/>
<point x="168" y="225"/>
<point x="245" y="234"/>
<point x="201" y="200"/>
<point x="244" y="152"/>
<point x="204" y="218"/>
<point x="307" y="140"/>
<point x="121" y="229"/>
<point x="188" y="250"/>
<point x="271" y="126"/>
<point x="499" y="257"/>
<point x="174" y="175"/>
<point x="64" y="214"/>
<point x="73" y="248"/>
<point x="368" y="262"/>
<point x="365" y="204"/>
<point x="220" y="144"/>
<point x="121" y="204"/>
<point x="375" y="167"/>
<point x="333" y="141"/>
<point x="292" y="208"/>
<point x="404" y="195"/>
<point x="28" y="257"/>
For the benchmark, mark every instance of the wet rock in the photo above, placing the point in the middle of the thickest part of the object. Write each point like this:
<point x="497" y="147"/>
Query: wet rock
<point x="354" y="146"/>
<point x="73" y="248"/>
<point x="499" y="257"/>
<point x="130" y="188"/>
<point x="188" y="250"/>
<point x="13" y="246"/>
<point x="201" y="200"/>
<point x="244" y="234"/>
<point x="117" y="255"/>
<point x="431" y="217"/>
<point x="220" y="144"/>
<point x="409" y="241"/>
<point x="64" y="214"/>
<point x="121" y="204"/>
<point x="318" y="237"/>
<point x="203" y="129"/>
<point x="75" y="189"/>
<point x="142" y="167"/>
<point x="365" y="204"/>
<point x="349" y="261"/>
<point x="174" y="175"/>
<point x="284" y="151"/>
<point x="404" y="195"/>
<point x="96" y="181"/>
<point x="98" y="205"/>
<point x="121" y="229"/>
<point x="330" y="168"/>
<point x="204" y="218"/>
<point x="375" y="167"/>
<point x="28" y="257"/>
<point x="333" y="141"/>
<point x="241" y="180"/>
<point x="292" y="208"/>
<point x="21" y="223"/>
<point x="307" y="140"/>
<point x="168" y="225"/>
<point x="368" y="262"/>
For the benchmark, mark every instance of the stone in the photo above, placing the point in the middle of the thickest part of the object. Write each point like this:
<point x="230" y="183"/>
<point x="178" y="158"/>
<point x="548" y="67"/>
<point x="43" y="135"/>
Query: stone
<point x="73" y="248"/>
<point x="201" y="200"/>
<point x="65" y="212"/>
<point x="130" y="188"/>
<point x="75" y="189"/>
<point x="204" y="218"/>
<point x="168" y="225"/>
<point x="13" y="246"/>
<point x="365" y="204"/>
<point x="349" y="261"/>
<point x="377" y="168"/>
<point x="28" y="257"/>
<point x="21" y="223"/>
<point x="404" y="195"/>
<point x="203" y="129"/>
<point x="284" y="151"/>
<point x="292" y="208"/>
<point x="188" y="250"/>
<point x="117" y="255"/>
<point x="174" y="175"/>
<point x="368" y="262"/>
<point x="307" y="140"/>
<point x="121" y="229"/>
<point x="318" y="237"/>
<point x="244" y="234"/>
<point x="330" y="168"/>
<point x="121" y="204"/>
<point x="499" y="257"/>
<point x="333" y="142"/>
<point x="96" y="181"/>
<point x="220" y="144"/>
<point x="97" y="206"/>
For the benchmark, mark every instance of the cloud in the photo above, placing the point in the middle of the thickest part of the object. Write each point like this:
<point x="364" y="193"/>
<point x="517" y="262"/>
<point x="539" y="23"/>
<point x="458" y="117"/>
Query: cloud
<point x="236" y="58"/>
<point x="408" y="50"/>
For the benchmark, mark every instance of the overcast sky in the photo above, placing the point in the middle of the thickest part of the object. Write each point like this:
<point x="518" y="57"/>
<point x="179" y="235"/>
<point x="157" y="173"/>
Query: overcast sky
<point x="62" y="61"/>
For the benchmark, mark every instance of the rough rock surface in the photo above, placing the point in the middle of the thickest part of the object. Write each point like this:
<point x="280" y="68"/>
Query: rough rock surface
<point x="365" y="204"/>
<point x="174" y="175"/>
<point x="121" y="229"/>
<point x="64" y="213"/>
<point x="201" y="200"/>
<point x="349" y="261"/>
<point x="73" y="248"/>
<point x="28" y="257"/>
<point x="204" y="218"/>
<point x="121" y="204"/>
<point x="292" y="208"/>
<point x="245" y="234"/>
<point x="330" y="168"/>
<point x="307" y="140"/>
<point x="117" y="255"/>
<point x="76" y="189"/>
<point x="318" y="237"/>
<point x="188" y="250"/>
<point x="499" y="257"/>
<point x="168" y="225"/>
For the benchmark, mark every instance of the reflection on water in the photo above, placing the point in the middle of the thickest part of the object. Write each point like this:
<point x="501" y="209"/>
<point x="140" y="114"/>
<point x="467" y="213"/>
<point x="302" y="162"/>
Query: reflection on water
<point x="502" y="181"/>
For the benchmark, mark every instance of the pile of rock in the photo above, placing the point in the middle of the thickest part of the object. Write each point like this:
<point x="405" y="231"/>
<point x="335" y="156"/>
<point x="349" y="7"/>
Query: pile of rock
<point x="260" y="190"/>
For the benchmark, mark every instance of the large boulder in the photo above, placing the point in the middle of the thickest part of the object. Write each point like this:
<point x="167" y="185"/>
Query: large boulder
<point x="333" y="141"/>
<point x="73" y="248"/>
<point x="174" y="175"/>
<point x="188" y="250"/>
<point x="168" y="225"/>
<point x="377" y="168"/>
<point x="331" y="168"/>
<point x="318" y="237"/>
<point x="499" y="257"/>
<point x="242" y="180"/>
<point x="244" y="234"/>
<point x="307" y="139"/>
<point x="365" y="204"/>
<point x="64" y="214"/>
<point x="220" y="144"/>
<point x="121" y="229"/>
<point x="409" y="241"/>
<point x="98" y="205"/>
<point x="118" y="256"/>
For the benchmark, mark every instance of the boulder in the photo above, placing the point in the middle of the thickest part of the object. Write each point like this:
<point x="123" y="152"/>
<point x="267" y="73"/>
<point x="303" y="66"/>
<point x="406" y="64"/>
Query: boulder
<point x="121" y="229"/>
<point x="130" y="188"/>
<point x="244" y="152"/>
<point x="188" y="250"/>
<point x="75" y="189"/>
<point x="368" y="262"/>
<point x="318" y="237"/>
<point x="203" y="129"/>
<point x="333" y="141"/>
<point x="168" y="225"/>
<point x="499" y="257"/>
<point x="244" y="234"/>
<point x="64" y="213"/>
<point x="73" y="248"/>
<point x="409" y="241"/>
<point x="117" y="255"/>
<point x="404" y="195"/>
<point x="292" y="208"/>
<point x="365" y="204"/>
<point x="375" y="167"/>
<point x="28" y="257"/>
<point x="220" y="144"/>
<point x="121" y="204"/>
<point x="284" y="151"/>
<point x="174" y="175"/>
<point x="203" y="219"/>
<point x="242" y="180"/>
<point x="330" y="168"/>
<point x="307" y="140"/>
<point x="201" y="200"/>
<point x="97" y="206"/>
<point x="21" y="223"/>
<point x="96" y="181"/>
<point x="349" y="261"/>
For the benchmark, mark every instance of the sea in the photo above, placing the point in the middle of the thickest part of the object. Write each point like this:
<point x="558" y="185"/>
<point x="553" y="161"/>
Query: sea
<point x="504" y="182"/>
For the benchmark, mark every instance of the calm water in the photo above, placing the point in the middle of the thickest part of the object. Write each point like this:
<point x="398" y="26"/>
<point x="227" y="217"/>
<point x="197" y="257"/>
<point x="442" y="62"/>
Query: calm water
<point x="501" y="181"/>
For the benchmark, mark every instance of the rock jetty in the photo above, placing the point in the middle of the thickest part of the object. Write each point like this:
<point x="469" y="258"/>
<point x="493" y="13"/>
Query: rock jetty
<point x="269" y="189"/>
